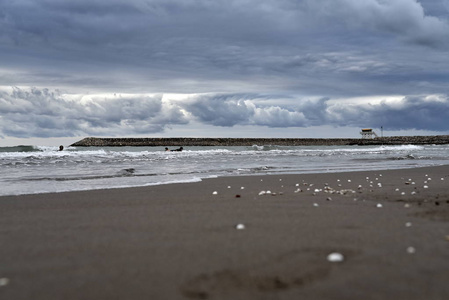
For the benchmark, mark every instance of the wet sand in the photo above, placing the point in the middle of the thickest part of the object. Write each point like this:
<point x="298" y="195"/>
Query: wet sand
<point x="181" y="241"/>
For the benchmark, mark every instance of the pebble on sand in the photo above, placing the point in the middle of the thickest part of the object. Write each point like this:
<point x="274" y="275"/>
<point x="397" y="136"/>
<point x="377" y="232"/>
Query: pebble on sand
<point x="4" y="281"/>
<point x="408" y="224"/>
<point x="411" y="250"/>
<point x="240" y="226"/>
<point x="335" y="257"/>
<point x="379" y="205"/>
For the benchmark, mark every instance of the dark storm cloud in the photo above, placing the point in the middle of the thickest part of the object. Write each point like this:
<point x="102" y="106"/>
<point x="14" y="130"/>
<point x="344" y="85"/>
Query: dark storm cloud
<point x="426" y="113"/>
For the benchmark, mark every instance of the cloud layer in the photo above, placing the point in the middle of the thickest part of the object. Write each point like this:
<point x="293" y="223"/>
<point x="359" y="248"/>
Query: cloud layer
<point x="269" y="63"/>
<point x="45" y="113"/>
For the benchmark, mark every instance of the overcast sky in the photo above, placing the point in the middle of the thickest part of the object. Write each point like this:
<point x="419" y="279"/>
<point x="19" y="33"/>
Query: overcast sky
<point x="251" y="68"/>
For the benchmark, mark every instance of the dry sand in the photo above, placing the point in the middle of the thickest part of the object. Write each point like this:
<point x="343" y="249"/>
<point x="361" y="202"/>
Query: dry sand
<point x="180" y="241"/>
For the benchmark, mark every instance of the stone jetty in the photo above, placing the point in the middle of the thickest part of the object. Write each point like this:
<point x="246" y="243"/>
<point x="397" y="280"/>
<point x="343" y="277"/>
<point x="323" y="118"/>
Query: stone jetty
<point x="185" y="142"/>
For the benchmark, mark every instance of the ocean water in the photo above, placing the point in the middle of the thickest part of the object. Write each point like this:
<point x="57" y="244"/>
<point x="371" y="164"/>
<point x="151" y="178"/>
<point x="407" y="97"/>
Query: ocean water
<point x="40" y="169"/>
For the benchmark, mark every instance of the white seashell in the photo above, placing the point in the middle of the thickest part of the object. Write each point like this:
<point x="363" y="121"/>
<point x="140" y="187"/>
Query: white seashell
<point x="379" y="205"/>
<point x="349" y="180"/>
<point x="413" y="193"/>
<point x="242" y="188"/>
<point x="240" y="226"/>
<point x="262" y="193"/>
<point x="426" y="187"/>
<point x="403" y="193"/>
<point x="396" y="190"/>
<point x="215" y="193"/>
<point x="315" y="204"/>
<point x="335" y="257"/>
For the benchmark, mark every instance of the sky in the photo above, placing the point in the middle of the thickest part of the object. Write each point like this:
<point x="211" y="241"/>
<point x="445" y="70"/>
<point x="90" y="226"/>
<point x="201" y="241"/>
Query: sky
<point x="222" y="68"/>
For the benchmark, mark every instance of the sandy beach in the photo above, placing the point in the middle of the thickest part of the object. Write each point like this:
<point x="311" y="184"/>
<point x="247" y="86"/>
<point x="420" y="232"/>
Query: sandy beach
<point x="254" y="237"/>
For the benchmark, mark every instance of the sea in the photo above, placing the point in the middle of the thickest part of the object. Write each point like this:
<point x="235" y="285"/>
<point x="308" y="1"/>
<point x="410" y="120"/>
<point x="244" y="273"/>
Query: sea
<point x="44" y="169"/>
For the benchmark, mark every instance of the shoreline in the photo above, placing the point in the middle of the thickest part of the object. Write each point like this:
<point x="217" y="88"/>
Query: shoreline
<point x="198" y="179"/>
<point x="180" y="241"/>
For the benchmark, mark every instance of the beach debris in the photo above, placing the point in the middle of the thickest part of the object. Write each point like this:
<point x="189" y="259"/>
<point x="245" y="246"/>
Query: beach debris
<point x="378" y="205"/>
<point x="4" y="281"/>
<point x="442" y="178"/>
<point x="407" y="182"/>
<point x="240" y="226"/>
<point x="411" y="250"/>
<point x="413" y="183"/>
<point x="268" y="192"/>
<point x="298" y="190"/>
<point x="349" y="180"/>
<point x="413" y="193"/>
<point x="406" y="205"/>
<point x="396" y="190"/>
<point x="403" y="193"/>
<point x="242" y="188"/>
<point x="297" y="184"/>
<point x="335" y="257"/>
<point x="379" y="184"/>
<point x="429" y="179"/>
<point x="437" y="203"/>
<point x="329" y="199"/>
<point x="426" y="187"/>
<point x="229" y="186"/>
<point x="317" y="190"/>
<point x="237" y="196"/>
<point x="262" y="193"/>
<point x="315" y="204"/>
<point x="214" y="193"/>
<point x="408" y="224"/>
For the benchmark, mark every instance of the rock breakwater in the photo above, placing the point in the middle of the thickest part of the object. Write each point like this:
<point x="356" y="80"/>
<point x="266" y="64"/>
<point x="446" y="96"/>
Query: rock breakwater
<point x="159" y="142"/>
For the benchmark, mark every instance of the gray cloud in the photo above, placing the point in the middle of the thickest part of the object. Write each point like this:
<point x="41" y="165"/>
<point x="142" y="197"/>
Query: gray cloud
<point x="44" y="113"/>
